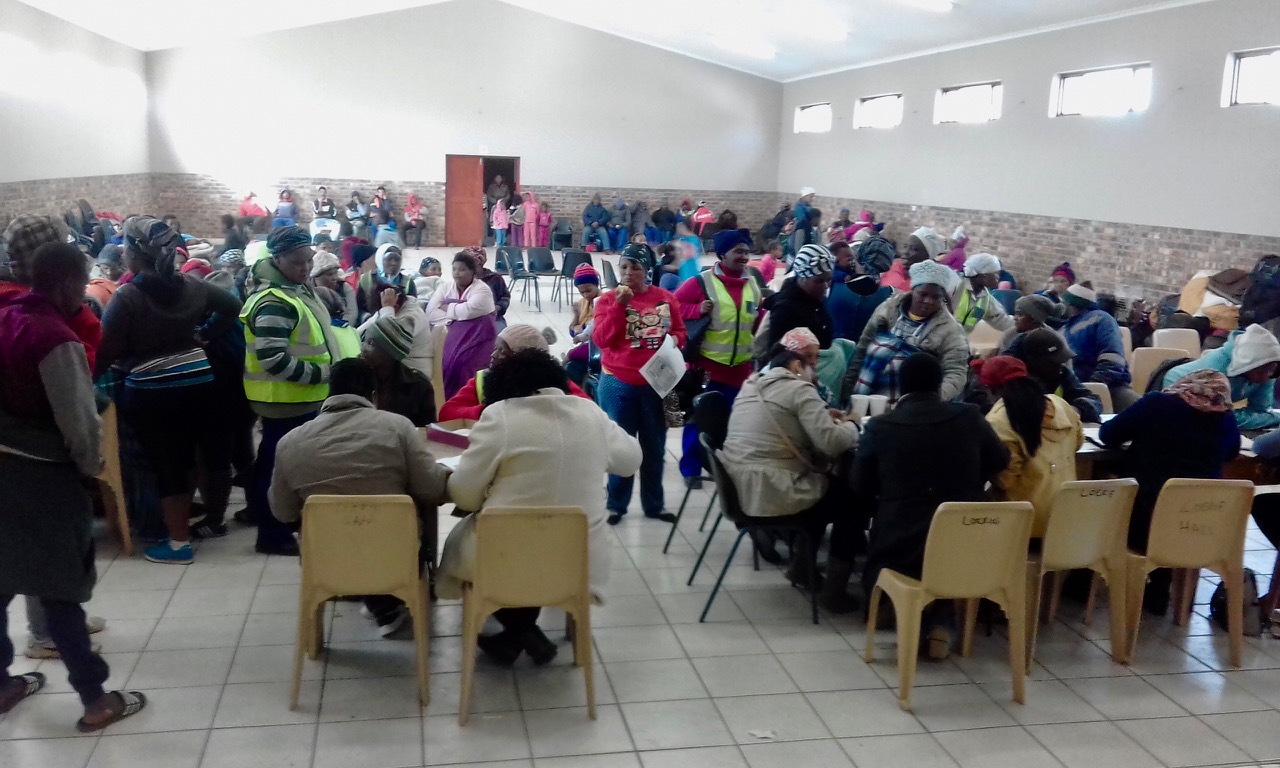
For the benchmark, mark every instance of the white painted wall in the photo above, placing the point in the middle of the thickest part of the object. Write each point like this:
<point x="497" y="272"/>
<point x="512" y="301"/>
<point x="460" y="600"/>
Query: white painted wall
<point x="391" y="95"/>
<point x="1185" y="162"/>
<point x="71" y="103"/>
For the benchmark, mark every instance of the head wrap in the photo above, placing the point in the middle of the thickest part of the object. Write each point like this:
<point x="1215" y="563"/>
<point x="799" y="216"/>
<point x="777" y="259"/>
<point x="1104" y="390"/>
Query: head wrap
<point x="981" y="264"/>
<point x="960" y="236"/>
<point x="1253" y="348"/>
<point x="392" y="335"/>
<point x="28" y="232"/>
<point x="477" y="253"/>
<point x="640" y="253"/>
<point x="323" y="262"/>
<point x="111" y="254"/>
<point x="995" y="372"/>
<point x="199" y="266"/>
<point x="585" y="273"/>
<point x="153" y="241"/>
<point x="428" y="262"/>
<point x="1065" y="270"/>
<point x="933" y="273"/>
<point x="934" y="244"/>
<point x="727" y="239"/>
<point x="1043" y="343"/>
<point x="798" y="338"/>
<point x="875" y="254"/>
<point x="523" y="336"/>
<point x="1205" y="390"/>
<point x="381" y="255"/>
<point x="844" y="211"/>
<point x="233" y="258"/>
<point x="282" y="240"/>
<point x="1036" y="307"/>
<point x="1079" y="296"/>
<point x="812" y="261"/>
<point x="806" y="191"/>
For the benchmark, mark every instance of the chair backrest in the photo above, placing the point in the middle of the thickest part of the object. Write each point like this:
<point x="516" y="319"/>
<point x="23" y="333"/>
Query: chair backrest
<point x="610" y="279"/>
<point x="437" y="363"/>
<point x="983" y="333"/>
<point x="1089" y="522"/>
<point x="563" y="227"/>
<point x="1007" y="298"/>
<point x="974" y="548"/>
<point x="1145" y="362"/>
<point x="531" y="556"/>
<point x="711" y="416"/>
<point x="730" y="503"/>
<point x="1126" y="338"/>
<point x="541" y="260"/>
<point x="571" y="259"/>
<point x="1199" y="522"/>
<point x="508" y="257"/>
<point x="359" y="545"/>
<point x="1103" y="393"/>
<point x="1178" y="338"/>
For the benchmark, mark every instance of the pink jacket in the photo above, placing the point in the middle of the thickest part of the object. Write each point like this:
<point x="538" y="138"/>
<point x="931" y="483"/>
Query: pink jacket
<point x="531" y="208"/>
<point x="500" y="220"/>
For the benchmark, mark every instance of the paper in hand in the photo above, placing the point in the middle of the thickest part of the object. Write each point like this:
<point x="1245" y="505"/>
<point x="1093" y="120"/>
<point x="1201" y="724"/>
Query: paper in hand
<point x="664" y="370"/>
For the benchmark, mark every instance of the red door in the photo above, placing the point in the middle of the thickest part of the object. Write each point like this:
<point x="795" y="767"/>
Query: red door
<point x="464" y="200"/>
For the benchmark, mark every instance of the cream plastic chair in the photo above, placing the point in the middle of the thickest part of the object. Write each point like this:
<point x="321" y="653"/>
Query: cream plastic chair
<point x="1103" y="393"/>
<point x="984" y="340"/>
<point x="113" y="497"/>
<point x="973" y="550"/>
<point x="529" y="556"/>
<point x="437" y="362"/>
<point x="1145" y="362"/>
<point x="360" y="545"/>
<point x="1178" y="338"/>
<point x="1126" y="338"/>
<point x="1088" y="528"/>
<point x="1196" y="524"/>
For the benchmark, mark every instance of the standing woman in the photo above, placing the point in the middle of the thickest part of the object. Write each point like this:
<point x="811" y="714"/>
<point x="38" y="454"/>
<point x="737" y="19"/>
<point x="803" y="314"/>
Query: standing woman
<point x="286" y="210"/>
<point x="631" y="323"/>
<point x="466" y="307"/>
<point x="152" y="334"/>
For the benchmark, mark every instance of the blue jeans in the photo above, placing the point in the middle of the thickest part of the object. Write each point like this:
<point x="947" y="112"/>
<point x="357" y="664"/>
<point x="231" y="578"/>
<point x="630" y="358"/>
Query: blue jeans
<point x="500" y="237"/>
<point x="271" y="532"/>
<point x="638" y="410"/>
<point x="691" y="458"/>
<point x="64" y="620"/>
<point x="590" y="230"/>
<point x="282" y="221"/>
<point x="617" y="238"/>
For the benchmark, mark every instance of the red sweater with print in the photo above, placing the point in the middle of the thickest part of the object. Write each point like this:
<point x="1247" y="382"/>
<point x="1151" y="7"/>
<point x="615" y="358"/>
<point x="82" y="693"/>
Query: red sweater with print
<point x="628" y="336"/>
<point x="466" y="403"/>
<point x="691" y="294"/>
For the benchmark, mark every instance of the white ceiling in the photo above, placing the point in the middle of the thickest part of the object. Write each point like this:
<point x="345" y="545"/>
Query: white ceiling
<point x="805" y="37"/>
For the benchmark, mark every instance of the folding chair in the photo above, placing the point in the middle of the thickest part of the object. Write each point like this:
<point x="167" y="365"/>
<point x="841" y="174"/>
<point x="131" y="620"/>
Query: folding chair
<point x="525" y="557"/>
<point x="711" y="417"/>
<point x="504" y="257"/>
<point x="607" y="274"/>
<point x="360" y="545"/>
<point x="569" y="261"/>
<point x="518" y="275"/>
<point x="974" y="550"/>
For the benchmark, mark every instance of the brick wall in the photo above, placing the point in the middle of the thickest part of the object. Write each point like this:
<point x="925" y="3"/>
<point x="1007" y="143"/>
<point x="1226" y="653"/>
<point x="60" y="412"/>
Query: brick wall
<point x="123" y="194"/>
<point x="1150" y="261"/>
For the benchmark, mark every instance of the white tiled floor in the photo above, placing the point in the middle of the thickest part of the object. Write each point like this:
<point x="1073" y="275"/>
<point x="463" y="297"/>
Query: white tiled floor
<point x="757" y="686"/>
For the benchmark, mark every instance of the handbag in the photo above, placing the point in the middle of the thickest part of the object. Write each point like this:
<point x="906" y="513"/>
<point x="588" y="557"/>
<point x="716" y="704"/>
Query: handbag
<point x="182" y="369"/>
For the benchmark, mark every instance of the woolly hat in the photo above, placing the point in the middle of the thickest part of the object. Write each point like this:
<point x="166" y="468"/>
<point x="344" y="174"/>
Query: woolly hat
<point x="523" y="336"/>
<point x="233" y="258"/>
<point x="1036" y="307"/>
<point x="323" y="262"/>
<point x="995" y="372"/>
<point x="934" y="243"/>
<point x="1065" y="270"/>
<point x="1254" y="348"/>
<point x="933" y="273"/>
<point x="812" y="261"/>
<point x="981" y="264"/>
<point x="1079" y="296"/>
<point x="199" y="266"/>
<point x="392" y="335"/>
<point x="875" y="253"/>
<point x="726" y="239"/>
<point x="585" y="273"/>
<point x="28" y="232"/>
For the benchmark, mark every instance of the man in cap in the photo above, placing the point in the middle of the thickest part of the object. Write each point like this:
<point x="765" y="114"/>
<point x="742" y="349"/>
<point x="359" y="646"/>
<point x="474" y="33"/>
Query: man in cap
<point x="726" y="300"/>
<point x="1094" y="337"/>
<point x="972" y="300"/>
<point x="289" y="349"/>
<point x="1046" y="356"/>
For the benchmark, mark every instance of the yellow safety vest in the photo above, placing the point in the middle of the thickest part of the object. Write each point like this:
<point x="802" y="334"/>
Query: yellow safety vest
<point x="307" y="343"/>
<point x="964" y="312"/>
<point x="729" y="338"/>
<point x="480" y="387"/>
<point x="348" y="341"/>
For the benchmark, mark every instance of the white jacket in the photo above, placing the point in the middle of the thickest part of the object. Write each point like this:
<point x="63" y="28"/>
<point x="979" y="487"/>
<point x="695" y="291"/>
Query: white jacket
<point x="548" y="449"/>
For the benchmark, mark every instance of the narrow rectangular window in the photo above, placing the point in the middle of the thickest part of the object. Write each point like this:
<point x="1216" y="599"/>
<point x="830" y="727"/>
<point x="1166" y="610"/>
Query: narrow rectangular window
<point x="1111" y="91"/>
<point x="813" y="118"/>
<point x="878" y="111"/>
<point x="1252" y="77"/>
<point x="968" y="103"/>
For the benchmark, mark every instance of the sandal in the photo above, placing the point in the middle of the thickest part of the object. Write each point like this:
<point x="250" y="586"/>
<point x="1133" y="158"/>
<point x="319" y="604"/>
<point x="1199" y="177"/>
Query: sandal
<point x="132" y="701"/>
<point x="31" y="682"/>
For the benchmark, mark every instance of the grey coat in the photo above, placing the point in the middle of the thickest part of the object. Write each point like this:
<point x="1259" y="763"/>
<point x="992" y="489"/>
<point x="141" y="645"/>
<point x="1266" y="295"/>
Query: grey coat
<point x="942" y="337"/>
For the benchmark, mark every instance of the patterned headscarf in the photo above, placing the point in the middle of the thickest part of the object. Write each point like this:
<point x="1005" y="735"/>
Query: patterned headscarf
<point x="1205" y="390"/>
<point x="812" y="261"/>
<point x="153" y="241"/>
<point x="876" y="255"/>
<point x="933" y="242"/>
<point x="798" y="338"/>
<point x="640" y="253"/>
<point x="233" y="259"/>
<point x="282" y="240"/>
<point x="477" y="253"/>
<point x="28" y="232"/>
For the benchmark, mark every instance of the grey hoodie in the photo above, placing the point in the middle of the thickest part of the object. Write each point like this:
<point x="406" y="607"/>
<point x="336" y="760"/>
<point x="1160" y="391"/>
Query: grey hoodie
<point x="620" y="215"/>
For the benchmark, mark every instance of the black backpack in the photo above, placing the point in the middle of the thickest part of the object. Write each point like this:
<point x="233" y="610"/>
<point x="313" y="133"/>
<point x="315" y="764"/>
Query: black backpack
<point x="1252" y="606"/>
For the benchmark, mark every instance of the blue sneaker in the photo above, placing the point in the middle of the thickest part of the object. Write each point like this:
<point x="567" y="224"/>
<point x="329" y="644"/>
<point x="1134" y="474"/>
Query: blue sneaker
<point x="163" y="553"/>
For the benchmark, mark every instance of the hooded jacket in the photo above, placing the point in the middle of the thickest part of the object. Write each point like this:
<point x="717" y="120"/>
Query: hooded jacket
<point x="664" y="219"/>
<point x="640" y="219"/>
<point x="1094" y="337"/>
<point x="1257" y="413"/>
<point x="595" y="215"/>
<point x="1037" y="478"/>
<point x="620" y="216"/>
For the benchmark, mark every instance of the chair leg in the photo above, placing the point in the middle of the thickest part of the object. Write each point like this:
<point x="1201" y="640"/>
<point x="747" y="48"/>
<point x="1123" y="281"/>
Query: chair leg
<point x="970" y="621"/>
<point x="908" y="618"/>
<point x="1117" y="597"/>
<point x="727" y="561"/>
<point x="676" y="524"/>
<point x="300" y="648"/>
<point x="1015" y="607"/>
<point x="1235" y="615"/>
<point x="873" y="612"/>
<point x="703" y="554"/>
<point x="1190" y="581"/>
<point x="1035" y="586"/>
<point x="1055" y="597"/>
<point x="1091" y="604"/>
<point x="583" y="656"/>
<point x="420" y="613"/>
<point x="317" y="630"/>
<point x="470" y="631"/>
<point x="1136" y="583"/>
<point x="714" y="495"/>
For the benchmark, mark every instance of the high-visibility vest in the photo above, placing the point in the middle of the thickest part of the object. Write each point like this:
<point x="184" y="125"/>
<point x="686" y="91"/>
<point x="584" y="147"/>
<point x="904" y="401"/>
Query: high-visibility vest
<point x="306" y="343"/>
<point x="480" y="387"/>
<point x="728" y="339"/>
<point x="348" y="341"/>
<point x="965" y="309"/>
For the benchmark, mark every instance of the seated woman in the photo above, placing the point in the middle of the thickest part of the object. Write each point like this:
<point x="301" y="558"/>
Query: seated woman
<point x="1042" y="432"/>
<point x="327" y="273"/>
<point x="466" y="306"/>
<point x="1187" y="430"/>
<point x="401" y="389"/>
<point x="1250" y="360"/>
<point x="1029" y="313"/>
<point x="470" y="400"/>
<point x="577" y="361"/>
<point x="394" y="303"/>
<point x="1063" y="277"/>
<point x="387" y="261"/>
<point x="533" y="446"/>
<point x="923" y="245"/>
<point x="909" y="323"/>
<point x="782" y="445"/>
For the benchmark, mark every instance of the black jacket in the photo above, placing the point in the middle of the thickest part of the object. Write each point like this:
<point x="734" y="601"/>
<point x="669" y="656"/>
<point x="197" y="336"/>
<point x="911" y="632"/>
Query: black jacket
<point x="791" y="308"/>
<point x="910" y="460"/>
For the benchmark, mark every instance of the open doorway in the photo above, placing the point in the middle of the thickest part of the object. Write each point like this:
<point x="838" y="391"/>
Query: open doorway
<point x="468" y="179"/>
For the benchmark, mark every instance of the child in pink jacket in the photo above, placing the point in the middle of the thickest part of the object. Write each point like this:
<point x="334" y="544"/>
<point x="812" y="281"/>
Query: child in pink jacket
<point x="544" y="225"/>
<point x="530" y="220"/>
<point x="500" y="222"/>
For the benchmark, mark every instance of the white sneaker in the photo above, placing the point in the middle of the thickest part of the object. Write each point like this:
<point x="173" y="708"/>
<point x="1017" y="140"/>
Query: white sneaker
<point x="45" y="649"/>
<point x="388" y="625"/>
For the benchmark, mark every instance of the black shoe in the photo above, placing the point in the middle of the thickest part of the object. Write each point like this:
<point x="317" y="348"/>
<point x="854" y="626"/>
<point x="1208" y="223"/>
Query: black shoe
<point x="243" y="517"/>
<point x="614" y="518"/>
<point x="206" y="530"/>
<point x="284" y="549"/>
<point x="539" y="647"/>
<point x="502" y="648"/>
<point x="693" y="483"/>
<point x="766" y="546"/>
<point x="665" y="517"/>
